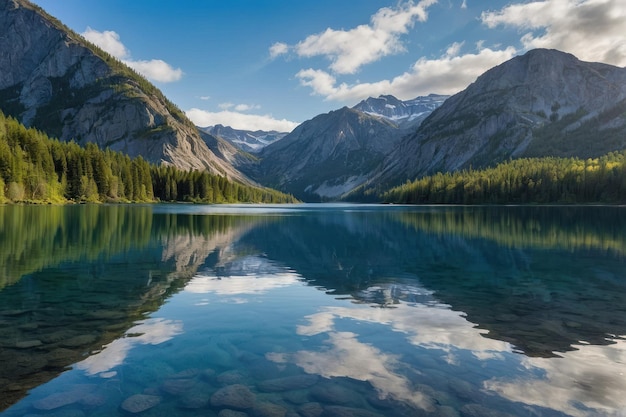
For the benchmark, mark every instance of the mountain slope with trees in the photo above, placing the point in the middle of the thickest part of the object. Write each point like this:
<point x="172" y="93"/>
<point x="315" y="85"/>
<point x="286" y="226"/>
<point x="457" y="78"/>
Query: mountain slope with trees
<point x="521" y="181"/>
<point x="34" y="168"/>
<point x="54" y="80"/>
<point x="543" y="103"/>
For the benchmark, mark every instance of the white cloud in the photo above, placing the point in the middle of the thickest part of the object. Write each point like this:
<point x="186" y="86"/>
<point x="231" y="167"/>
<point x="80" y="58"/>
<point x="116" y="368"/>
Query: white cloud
<point x="279" y="48"/>
<point x="205" y="98"/>
<point x="108" y="40"/>
<point x="154" y="69"/>
<point x="239" y="120"/>
<point x="348" y="50"/>
<point x="448" y="74"/>
<point x="464" y="4"/>
<point x="593" y="30"/>
<point x="238" y="107"/>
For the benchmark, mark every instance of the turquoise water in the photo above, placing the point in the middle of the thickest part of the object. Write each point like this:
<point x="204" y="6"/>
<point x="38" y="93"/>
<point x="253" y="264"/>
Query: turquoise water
<point x="312" y="310"/>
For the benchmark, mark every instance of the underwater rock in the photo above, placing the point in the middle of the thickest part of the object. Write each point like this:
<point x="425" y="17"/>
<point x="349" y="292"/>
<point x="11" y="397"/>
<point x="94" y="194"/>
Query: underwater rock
<point x="177" y="386"/>
<point x="338" y="411"/>
<point x="477" y="410"/>
<point x="233" y="396"/>
<point x="140" y="402"/>
<point x="268" y="410"/>
<point x="288" y="383"/>
<point x="61" y="399"/>
<point x="231" y="377"/>
<point x="78" y="341"/>
<point x="198" y="397"/>
<point x="26" y="344"/>
<point x="231" y="413"/>
<point x="311" y="410"/>
<point x="333" y="393"/>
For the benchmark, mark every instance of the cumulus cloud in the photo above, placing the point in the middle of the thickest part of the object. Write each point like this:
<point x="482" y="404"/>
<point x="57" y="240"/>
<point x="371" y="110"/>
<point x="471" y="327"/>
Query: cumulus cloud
<point x="348" y="50"/>
<point x="593" y="30"/>
<point x="154" y="69"/>
<point x="108" y="40"/>
<point x="239" y="120"/>
<point x="447" y="74"/>
<point x="279" y="48"/>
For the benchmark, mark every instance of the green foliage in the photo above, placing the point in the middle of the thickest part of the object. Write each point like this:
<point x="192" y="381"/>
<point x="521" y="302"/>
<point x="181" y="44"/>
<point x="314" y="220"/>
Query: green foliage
<point x="34" y="168"/>
<point x="528" y="180"/>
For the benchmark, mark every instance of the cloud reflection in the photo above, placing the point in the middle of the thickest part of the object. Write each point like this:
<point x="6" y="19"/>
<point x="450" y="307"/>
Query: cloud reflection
<point x="591" y="379"/>
<point x="347" y="357"/>
<point x="593" y="376"/>
<point x="147" y="332"/>
<point x="250" y="275"/>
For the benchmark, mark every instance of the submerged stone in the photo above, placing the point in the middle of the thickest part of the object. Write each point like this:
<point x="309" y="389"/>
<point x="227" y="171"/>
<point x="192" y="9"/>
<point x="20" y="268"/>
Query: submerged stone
<point x="233" y="396"/>
<point x="140" y="402"/>
<point x="268" y="410"/>
<point x="288" y="383"/>
<point x="338" y="411"/>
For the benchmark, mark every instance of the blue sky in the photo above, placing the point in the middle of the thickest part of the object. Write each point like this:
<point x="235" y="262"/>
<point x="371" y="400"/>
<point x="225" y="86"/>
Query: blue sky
<point x="271" y="64"/>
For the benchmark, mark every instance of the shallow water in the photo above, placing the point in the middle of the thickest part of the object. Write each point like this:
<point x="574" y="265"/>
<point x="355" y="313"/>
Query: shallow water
<point x="312" y="310"/>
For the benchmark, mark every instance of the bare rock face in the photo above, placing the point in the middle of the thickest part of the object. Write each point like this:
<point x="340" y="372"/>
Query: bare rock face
<point x="543" y="103"/>
<point x="54" y="80"/>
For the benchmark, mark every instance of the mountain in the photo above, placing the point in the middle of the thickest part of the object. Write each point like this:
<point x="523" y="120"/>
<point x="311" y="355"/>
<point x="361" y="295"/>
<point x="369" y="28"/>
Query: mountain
<point x="246" y="140"/>
<point x="54" y="80"/>
<point x="326" y="156"/>
<point x="543" y="103"/>
<point x="330" y="155"/>
<point x="408" y="113"/>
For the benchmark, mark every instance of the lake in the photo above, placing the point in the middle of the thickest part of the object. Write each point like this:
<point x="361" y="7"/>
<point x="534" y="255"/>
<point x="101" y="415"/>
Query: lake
<point x="312" y="310"/>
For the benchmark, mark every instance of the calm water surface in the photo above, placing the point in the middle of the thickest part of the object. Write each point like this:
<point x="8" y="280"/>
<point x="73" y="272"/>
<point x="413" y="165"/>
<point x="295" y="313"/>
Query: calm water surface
<point x="312" y="310"/>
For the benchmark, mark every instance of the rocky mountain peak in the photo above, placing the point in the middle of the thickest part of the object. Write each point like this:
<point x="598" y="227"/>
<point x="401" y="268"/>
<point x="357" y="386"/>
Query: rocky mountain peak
<point x="405" y="114"/>
<point x="543" y="103"/>
<point x="53" y="79"/>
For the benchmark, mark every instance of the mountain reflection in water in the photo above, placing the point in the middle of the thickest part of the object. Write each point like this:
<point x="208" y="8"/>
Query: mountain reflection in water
<point x="397" y="310"/>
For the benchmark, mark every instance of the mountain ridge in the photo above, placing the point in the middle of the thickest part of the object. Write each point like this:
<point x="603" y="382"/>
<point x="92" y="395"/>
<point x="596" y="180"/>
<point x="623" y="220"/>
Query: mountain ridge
<point x="524" y="107"/>
<point x="53" y="79"/>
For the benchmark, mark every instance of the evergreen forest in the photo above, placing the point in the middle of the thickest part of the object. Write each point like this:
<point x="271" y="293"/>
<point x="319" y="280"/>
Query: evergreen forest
<point x="35" y="168"/>
<point x="522" y="181"/>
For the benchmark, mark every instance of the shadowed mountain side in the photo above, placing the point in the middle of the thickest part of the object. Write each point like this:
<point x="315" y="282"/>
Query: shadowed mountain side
<point x="327" y="156"/>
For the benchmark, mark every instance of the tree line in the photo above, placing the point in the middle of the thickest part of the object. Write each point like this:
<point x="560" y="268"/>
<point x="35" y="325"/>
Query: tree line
<point x="526" y="180"/>
<point x="35" y="168"/>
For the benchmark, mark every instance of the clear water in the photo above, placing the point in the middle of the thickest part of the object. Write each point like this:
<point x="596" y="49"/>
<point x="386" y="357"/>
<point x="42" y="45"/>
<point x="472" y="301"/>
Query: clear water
<point x="312" y="310"/>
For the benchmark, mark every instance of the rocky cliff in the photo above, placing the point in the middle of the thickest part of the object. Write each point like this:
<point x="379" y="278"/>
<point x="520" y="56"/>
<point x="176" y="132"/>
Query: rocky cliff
<point x="327" y="156"/>
<point x="544" y="103"/>
<point x="54" y="80"/>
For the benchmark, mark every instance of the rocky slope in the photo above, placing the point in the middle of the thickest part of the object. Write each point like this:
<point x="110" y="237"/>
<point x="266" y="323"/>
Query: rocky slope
<point x="544" y="103"/>
<point x="246" y="140"/>
<point x="326" y="156"/>
<point x="330" y="155"/>
<point x="52" y="79"/>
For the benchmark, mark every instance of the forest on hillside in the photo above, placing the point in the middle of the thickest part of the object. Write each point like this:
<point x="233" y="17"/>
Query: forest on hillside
<point x="35" y="168"/>
<point x="522" y="181"/>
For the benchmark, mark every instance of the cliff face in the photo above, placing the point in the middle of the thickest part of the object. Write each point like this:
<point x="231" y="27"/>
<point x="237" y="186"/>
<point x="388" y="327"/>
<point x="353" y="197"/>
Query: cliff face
<point x="544" y="103"/>
<point x="327" y="156"/>
<point x="52" y="79"/>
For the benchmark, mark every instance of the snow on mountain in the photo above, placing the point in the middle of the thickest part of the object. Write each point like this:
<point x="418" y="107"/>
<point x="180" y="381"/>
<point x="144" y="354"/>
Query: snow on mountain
<point x="246" y="140"/>
<point x="409" y="113"/>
